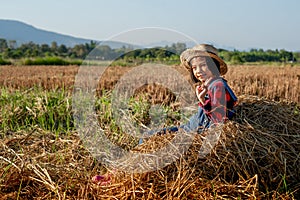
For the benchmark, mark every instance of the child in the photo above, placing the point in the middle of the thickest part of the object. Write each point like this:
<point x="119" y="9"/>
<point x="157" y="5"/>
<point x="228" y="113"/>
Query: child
<point x="216" y="99"/>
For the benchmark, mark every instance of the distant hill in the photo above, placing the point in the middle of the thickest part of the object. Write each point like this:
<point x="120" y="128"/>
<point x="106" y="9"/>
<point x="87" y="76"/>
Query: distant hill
<point x="24" y="33"/>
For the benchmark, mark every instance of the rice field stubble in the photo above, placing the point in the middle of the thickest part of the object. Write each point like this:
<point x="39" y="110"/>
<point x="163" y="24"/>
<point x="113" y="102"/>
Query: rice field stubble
<point x="42" y="156"/>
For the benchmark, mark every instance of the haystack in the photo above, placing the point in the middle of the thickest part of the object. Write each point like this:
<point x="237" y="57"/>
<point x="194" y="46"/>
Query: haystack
<point x="257" y="156"/>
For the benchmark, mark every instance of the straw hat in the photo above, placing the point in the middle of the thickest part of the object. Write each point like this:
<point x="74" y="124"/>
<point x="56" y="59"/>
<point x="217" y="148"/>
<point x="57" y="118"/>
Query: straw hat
<point x="202" y="50"/>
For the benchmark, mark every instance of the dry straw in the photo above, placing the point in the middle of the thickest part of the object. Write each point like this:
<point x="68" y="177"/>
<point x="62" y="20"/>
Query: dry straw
<point x="257" y="157"/>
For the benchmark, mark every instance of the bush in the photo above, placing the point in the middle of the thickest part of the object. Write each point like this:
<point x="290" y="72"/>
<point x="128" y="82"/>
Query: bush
<point x="51" y="61"/>
<point x="4" y="62"/>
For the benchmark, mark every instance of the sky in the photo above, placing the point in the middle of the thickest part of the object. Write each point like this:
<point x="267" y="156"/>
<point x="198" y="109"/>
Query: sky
<point x="238" y="24"/>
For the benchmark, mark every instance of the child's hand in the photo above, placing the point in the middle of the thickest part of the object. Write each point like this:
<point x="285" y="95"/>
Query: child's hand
<point x="201" y="92"/>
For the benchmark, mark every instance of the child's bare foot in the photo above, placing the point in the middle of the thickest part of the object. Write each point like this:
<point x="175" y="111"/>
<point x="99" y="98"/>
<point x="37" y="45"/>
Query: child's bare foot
<point x="102" y="179"/>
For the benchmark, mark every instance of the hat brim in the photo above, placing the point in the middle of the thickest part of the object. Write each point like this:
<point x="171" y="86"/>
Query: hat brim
<point x="189" y="54"/>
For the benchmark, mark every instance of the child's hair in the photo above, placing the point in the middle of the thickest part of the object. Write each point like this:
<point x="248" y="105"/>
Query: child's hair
<point x="212" y="64"/>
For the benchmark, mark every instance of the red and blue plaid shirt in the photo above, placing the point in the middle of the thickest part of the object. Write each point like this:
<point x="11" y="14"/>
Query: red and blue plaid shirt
<point x="219" y="101"/>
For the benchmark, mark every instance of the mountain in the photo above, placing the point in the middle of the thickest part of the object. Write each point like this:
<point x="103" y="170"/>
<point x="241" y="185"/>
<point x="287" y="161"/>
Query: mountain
<point x="24" y="33"/>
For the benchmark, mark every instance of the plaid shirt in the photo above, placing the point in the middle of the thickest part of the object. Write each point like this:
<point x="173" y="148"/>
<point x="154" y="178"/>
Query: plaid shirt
<point x="219" y="101"/>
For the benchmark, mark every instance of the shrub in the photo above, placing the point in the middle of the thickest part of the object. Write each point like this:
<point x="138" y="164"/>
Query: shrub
<point x="51" y="61"/>
<point x="4" y="62"/>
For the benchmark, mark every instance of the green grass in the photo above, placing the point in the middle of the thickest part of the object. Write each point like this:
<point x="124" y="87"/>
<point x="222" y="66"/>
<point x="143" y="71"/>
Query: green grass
<point x="52" y="111"/>
<point x="48" y="110"/>
<point x="26" y="110"/>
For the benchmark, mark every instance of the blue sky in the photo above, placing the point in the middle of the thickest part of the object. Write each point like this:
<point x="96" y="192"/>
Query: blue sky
<point x="266" y="24"/>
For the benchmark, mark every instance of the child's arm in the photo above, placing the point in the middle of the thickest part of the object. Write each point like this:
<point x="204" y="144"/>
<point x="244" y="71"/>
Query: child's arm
<point x="218" y="103"/>
<point x="215" y="106"/>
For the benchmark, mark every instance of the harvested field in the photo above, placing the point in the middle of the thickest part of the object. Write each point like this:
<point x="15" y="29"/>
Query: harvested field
<point x="256" y="157"/>
<point x="272" y="82"/>
<point x="252" y="160"/>
<point x="276" y="83"/>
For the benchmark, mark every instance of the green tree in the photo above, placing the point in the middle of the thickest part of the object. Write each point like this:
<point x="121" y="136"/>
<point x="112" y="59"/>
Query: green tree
<point x="285" y="56"/>
<point x="62" y="50"/>
<point x="3" y="45"/>
<point x="236" y="59"/>
<point x="45" y="49"/>
<point x="54" y="47"/>
<point x="12" y="44"/>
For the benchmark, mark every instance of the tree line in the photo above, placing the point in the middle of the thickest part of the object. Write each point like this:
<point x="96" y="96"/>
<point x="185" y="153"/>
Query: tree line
<point x="57" y="54"/>
<point x="259" y="55"/>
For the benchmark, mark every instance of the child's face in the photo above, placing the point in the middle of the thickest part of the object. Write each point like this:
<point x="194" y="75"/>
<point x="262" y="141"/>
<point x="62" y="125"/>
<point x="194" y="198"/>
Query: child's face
<point x="200" y="69"/>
